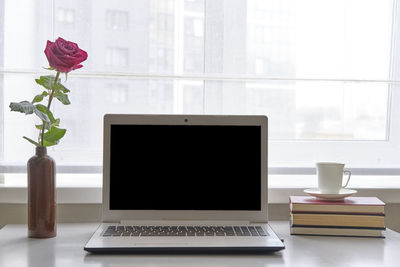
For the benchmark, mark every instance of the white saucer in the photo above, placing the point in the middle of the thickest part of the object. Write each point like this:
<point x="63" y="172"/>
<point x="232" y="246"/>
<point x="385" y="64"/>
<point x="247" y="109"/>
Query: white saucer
<point x="344" y="192"/>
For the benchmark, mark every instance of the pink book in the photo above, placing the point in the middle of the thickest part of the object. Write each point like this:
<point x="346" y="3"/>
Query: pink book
<point x="353" y="205"/>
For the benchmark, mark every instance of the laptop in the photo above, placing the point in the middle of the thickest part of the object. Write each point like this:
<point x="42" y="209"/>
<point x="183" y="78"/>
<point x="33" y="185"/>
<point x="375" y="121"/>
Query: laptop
<point x="184" y="183"/>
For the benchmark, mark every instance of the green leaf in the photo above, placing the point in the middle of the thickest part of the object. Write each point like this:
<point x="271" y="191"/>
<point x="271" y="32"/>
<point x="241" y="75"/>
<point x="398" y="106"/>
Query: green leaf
<point x="46" y="81"/>
<point x="41" y="115"/>
<point x="31" y="141"/>
<point x="40" y="97"/>
<point x="47" y="143"/>
<point x="23" y="107"/>
<point x="63" y="98"/>
<point x="48" y="125"/>
<point x="49" y="114"/>
<point x="60" y="87"/>
<point x="46" y="111"/>
<point x="56" y="122"/>
<point x="49" y="68"/>
<point x="54" y="134"/>
<point x="28" y="108"/>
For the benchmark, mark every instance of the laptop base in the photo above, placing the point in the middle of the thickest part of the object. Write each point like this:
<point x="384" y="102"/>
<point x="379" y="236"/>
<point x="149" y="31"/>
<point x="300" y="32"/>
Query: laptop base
<point x="101" y="243"/>
<point x="186" y="250"/>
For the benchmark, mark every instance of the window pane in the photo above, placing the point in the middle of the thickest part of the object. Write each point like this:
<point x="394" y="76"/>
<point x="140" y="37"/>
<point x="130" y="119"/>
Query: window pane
<point x="161" y="36"/>
<point x="193" y="48"/>
<point x="307" y="110"/>
<point x="27" y="26"/>
<point x="296" y="111"/>
<point x="193" y="97"/>
<point x="90" y="98"/>
<point x="333" y="39"/>
<point x="310" y="38"/>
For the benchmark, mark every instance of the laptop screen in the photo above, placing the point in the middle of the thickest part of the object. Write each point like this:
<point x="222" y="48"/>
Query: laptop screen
<point x="185" y="167"/>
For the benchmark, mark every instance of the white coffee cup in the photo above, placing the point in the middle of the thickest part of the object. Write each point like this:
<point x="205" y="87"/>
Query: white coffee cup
<point x="330" y="177"/>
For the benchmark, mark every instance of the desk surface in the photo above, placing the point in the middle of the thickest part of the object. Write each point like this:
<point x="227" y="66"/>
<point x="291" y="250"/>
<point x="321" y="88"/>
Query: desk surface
<point x="67" y="250"/>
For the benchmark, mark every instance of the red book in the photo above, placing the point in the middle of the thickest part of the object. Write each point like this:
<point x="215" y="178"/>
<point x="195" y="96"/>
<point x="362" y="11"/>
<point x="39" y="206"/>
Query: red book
<point x="352" y="205"/>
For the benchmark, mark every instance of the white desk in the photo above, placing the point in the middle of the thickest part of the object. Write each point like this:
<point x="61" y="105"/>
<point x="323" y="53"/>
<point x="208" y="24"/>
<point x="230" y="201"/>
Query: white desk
<point x="67" y="250"/>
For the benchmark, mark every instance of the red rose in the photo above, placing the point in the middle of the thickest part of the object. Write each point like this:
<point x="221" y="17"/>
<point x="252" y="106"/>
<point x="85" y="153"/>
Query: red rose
<point x="64" y="56"/>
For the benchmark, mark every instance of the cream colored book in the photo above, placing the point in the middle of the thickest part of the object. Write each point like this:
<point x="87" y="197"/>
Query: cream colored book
<point x="360" y="205"/>
<point x="337" y="231"/>
<point x="346" y="220"/>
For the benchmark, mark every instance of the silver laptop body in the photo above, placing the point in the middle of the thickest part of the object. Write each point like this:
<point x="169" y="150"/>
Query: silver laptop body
<point x="184" y="183"/>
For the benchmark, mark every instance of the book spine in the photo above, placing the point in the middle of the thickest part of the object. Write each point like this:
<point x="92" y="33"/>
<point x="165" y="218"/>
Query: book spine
<point x="343" y="209"/>
<point x="337" y="227"/>
<point x="338" y="220"/>
<point x="342" y="235"/>
<point x="338" y="213"/>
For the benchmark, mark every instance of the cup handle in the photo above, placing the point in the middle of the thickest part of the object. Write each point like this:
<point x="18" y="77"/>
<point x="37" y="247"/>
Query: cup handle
<point x="348" y="179"/>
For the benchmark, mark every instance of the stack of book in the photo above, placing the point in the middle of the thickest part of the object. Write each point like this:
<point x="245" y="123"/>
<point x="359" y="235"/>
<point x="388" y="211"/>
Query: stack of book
<point x="353" y="216"/>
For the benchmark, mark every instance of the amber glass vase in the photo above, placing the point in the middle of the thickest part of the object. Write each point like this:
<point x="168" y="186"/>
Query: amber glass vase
<point x="41" y="195"/>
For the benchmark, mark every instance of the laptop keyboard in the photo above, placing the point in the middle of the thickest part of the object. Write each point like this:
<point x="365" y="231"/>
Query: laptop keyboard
<point x="184" y="231"/>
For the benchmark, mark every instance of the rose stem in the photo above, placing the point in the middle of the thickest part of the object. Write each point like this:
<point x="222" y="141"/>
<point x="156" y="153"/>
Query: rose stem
<point x="49" y="103"/>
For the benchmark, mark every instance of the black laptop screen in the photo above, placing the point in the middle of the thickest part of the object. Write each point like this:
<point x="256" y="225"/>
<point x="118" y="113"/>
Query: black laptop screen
<point x="179" y="167"/>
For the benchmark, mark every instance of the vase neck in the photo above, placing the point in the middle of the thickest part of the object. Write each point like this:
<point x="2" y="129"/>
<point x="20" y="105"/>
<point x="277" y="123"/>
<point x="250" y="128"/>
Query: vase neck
<point x="41" y="150"/>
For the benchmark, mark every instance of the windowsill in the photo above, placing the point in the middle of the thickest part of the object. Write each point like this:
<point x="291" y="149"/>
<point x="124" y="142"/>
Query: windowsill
<point x="86" y="188"/>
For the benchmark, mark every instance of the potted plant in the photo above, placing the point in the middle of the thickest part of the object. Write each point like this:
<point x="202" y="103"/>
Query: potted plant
<point x="63" y="56"/>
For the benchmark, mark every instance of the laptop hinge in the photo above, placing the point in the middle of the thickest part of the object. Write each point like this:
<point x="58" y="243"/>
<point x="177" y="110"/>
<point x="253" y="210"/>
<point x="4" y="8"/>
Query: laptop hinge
<point x="183" y="222"/>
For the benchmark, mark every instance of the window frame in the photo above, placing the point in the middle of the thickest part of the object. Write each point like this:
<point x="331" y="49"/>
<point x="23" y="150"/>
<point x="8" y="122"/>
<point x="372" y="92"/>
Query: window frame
<point x="384" y="148"/>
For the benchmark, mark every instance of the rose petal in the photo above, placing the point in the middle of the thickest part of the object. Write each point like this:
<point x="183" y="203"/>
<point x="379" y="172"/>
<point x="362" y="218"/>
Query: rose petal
<point x="77" y="67"/>
<point x="47" y="51"/>
<point x="66" y="47"/>
<point x="64" y="56"/>
<point x="58" y="64"/>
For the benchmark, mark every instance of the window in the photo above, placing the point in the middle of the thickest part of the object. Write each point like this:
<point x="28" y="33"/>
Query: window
<point x="117" y="20"/>
<point x="118" y="93"/>
<point x="259" y="66"/>
<point x="326" y="73"/>
<point x="116" y="57"/>
<point x="66" y="16"/>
